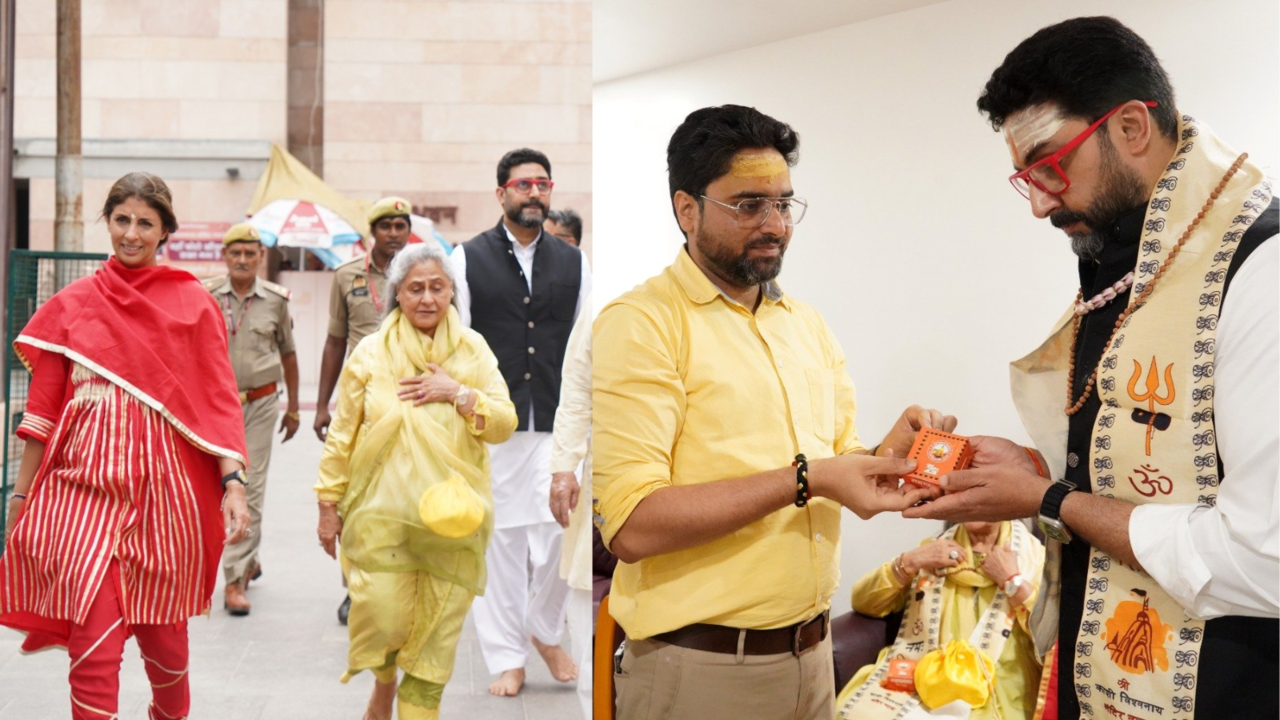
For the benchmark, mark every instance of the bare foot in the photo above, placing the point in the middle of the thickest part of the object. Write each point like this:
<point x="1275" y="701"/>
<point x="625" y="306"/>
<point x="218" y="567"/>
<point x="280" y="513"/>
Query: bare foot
<point x="508" y="683"/>
<point x="562" y="667"/>
<point x="380" y="703"/>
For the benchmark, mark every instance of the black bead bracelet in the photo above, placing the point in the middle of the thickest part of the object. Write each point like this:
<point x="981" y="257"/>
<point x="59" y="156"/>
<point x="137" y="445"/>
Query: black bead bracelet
<point x="801" y="465"/>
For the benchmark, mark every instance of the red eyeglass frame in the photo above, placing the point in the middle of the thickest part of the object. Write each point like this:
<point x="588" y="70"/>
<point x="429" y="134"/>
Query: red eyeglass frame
<point x="534" y="181"/>
<point x="1052" y="161"/>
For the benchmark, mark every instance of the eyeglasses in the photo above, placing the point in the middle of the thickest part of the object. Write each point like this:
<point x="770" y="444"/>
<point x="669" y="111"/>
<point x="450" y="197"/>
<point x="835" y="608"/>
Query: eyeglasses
<point x="524" y="185"/>
<point x="754" y="212"/>
<point x="1046" y="174"/>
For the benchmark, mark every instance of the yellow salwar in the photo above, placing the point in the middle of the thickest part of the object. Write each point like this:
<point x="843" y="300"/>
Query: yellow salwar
<point x="411" y="587"/>
<point x="965" y="597"/>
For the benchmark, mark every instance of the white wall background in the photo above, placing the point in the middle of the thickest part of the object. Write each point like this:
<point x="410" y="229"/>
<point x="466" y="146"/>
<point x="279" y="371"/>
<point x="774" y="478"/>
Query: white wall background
<point x="925" y="262"/>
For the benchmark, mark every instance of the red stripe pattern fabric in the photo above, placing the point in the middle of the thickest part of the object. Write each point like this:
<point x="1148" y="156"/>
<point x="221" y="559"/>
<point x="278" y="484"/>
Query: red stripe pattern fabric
<point x="113" y="487"/>
<point x="34" y="426"/>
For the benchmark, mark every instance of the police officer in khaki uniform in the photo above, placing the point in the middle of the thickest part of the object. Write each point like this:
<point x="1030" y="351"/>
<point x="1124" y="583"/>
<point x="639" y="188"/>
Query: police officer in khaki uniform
<point x="357" y="304"/>
<point x="260" y="338"/>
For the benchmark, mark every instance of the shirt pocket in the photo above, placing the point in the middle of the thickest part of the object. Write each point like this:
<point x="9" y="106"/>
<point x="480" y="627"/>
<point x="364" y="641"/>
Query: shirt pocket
<point x="822" y="402"/>
<point x="262" y="336"/>
<point x="361" y="312"/>
<point x="564" y="300"/>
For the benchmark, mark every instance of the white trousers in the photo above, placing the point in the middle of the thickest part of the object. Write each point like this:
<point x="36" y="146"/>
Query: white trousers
<point x="580" y="635"/>
<point x="524" y="595"/>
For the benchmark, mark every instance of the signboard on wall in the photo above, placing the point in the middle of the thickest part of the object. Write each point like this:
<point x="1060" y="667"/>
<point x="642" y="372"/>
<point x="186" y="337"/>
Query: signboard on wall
<point x="197" y="248"/>
<point x="197" y="242"/>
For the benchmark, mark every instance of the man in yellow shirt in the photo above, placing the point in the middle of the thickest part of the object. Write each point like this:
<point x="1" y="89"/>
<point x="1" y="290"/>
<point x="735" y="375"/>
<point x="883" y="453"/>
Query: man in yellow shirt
<point x="708" y="382"/>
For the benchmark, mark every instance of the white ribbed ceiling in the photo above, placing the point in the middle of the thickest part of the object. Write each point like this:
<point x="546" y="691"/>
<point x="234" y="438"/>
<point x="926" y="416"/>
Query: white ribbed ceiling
<point x="635" y="36"/>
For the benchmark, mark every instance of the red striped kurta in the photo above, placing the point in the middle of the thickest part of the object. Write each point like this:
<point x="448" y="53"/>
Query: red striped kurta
<point x="114" y="484"/>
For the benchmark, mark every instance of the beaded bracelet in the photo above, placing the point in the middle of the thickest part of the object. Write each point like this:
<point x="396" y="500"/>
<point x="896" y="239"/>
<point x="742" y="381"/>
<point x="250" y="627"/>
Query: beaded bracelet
<point x="801" y="465"/>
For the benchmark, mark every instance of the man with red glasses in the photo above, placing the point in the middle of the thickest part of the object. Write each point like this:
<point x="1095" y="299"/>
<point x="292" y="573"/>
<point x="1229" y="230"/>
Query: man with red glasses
<point x="1155" y="400"/>
<point x="522" y="289"/>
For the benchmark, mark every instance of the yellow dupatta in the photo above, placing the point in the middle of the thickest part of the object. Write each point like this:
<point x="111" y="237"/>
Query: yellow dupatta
<point x="411" y="461"/>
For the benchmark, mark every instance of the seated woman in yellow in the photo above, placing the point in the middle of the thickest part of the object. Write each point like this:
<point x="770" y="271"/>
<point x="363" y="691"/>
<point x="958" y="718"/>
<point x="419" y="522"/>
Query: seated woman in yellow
<point x="404" y="480"/>
<point x="976" y="582"/>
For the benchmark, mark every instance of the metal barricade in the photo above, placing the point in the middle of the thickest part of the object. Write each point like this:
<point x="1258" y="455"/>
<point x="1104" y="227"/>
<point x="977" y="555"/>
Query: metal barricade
<point x="33" y="278"/>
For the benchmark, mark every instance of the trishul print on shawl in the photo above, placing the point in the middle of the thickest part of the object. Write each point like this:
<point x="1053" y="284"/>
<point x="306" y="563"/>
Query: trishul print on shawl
<point x="1137" y="651"/>
<point x="1149" y="417"/>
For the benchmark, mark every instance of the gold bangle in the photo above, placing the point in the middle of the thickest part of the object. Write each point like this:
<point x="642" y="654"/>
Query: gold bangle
<point x="899" y="572"/>
<point x="293" y="415"/>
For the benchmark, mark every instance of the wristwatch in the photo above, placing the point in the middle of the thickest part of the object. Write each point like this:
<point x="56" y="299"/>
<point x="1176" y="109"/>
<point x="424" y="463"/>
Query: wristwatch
<point x="1011" y="587"/>
<point x="464" y="394"/>
<point x="237" y="476"/>
<point x="1050" y="520"/>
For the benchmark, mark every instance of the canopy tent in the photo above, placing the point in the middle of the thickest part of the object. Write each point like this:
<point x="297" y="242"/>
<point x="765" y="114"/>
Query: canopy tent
<point x="294" y="207"/>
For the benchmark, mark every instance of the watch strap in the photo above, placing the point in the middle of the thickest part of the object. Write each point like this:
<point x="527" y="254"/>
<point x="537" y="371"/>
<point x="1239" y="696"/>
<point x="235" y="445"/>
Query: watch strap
<point x="237" y="476"/>
<point x="1010" y="586"/>
<point x="1051" y="505"/>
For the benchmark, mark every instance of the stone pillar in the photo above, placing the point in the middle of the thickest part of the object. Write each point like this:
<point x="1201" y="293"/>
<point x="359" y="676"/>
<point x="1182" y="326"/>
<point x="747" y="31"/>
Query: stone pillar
<point x="306" y="83"/>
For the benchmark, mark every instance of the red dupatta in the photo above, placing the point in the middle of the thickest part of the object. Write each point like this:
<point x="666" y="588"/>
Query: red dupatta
<point x="158" y="334"/>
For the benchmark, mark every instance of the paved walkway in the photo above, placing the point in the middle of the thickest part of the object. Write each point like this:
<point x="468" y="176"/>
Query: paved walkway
<point x="284" y="660"/>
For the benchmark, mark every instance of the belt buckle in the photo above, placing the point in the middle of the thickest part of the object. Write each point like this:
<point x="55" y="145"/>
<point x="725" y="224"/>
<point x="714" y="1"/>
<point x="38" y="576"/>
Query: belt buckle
<point x="799" y="629"/>
<point x="244" y="397"/>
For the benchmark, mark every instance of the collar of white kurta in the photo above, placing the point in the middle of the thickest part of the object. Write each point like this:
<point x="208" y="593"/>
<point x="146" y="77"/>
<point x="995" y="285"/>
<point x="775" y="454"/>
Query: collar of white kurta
<point x="517" y="245"/>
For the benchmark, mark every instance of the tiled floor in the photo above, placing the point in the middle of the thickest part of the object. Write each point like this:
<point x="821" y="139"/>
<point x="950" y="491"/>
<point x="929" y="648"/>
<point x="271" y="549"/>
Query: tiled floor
<point x="284" y="660"/>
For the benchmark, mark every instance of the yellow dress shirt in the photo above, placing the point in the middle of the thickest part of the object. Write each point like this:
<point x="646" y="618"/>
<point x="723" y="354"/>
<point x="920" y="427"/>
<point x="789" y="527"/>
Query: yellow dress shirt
<point x="691" y="387"/>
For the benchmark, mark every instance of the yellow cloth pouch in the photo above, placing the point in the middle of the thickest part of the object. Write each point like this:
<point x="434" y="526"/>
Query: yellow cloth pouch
<point x="452" y="508"/>
<point x="957" y="671"/>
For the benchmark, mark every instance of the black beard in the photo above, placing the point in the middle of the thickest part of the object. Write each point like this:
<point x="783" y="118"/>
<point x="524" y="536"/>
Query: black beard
<point x="741" y="270"/>
<point x="1122" y="191"/>
<point x="516" y="215"/>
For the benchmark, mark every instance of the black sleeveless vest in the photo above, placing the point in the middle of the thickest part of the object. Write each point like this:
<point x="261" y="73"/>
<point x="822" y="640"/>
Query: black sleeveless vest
<point x="527" y="331"/>
<point x="1239" y="663"/>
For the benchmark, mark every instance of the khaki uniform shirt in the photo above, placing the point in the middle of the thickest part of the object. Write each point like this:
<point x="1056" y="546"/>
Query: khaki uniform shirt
<point x="357" y="301"/>
<point x="259" y="330"/>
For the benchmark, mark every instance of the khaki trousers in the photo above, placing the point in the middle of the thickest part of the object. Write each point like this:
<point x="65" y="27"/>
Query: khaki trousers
<point x="259" y="430"/>
<point x="659" y="681"/>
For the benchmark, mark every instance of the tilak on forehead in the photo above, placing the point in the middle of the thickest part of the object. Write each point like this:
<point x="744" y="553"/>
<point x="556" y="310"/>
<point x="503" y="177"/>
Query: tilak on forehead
<point x="768" y="165"/>
<point x="1030" y="126"/>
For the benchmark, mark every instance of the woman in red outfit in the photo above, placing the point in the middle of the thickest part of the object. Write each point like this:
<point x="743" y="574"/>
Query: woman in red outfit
<point x="132" y="418"/>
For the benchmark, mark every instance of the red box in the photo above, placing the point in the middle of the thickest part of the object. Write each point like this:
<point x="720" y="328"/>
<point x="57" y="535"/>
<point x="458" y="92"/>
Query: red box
<point x="937" y="453"/>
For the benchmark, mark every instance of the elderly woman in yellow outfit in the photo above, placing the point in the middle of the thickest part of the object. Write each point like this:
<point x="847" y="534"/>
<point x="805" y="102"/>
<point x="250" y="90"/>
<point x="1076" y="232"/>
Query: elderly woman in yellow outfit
<point x="404" y="480"/>
<point x="963" y="649"/>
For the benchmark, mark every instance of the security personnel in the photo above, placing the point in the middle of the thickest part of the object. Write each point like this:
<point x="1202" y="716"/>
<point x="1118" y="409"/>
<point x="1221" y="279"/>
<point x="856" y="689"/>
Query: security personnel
<point x="357" y="304"/>
<point x="260" y="338"/>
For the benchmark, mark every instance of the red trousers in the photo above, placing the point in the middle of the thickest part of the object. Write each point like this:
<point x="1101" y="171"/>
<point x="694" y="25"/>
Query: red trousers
<point x="97" y="647"/>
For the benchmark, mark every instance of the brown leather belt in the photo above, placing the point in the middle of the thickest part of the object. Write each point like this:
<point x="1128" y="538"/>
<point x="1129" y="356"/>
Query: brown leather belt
<point x="793" y="639"/>
<point x="248" y="396"/>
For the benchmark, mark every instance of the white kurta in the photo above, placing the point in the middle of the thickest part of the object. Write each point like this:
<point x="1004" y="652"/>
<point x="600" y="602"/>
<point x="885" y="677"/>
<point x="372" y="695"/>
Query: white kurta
<point x="525" y="594"/>
<point x="1225" y="559"/>
<point x="571" y="452"/>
